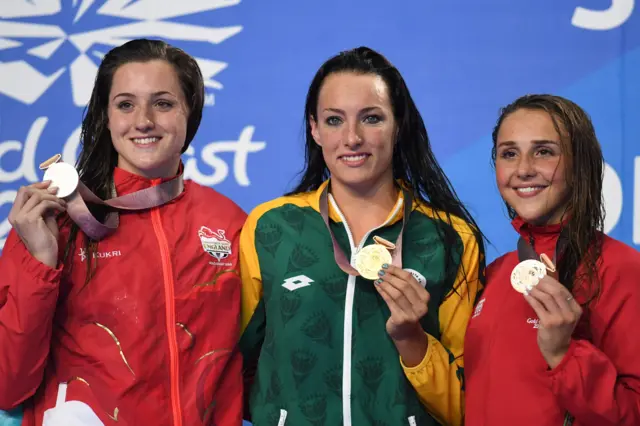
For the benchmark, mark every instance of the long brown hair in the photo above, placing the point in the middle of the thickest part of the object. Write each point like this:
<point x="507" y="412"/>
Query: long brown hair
<point x="578" y="265"/>
<point x="98" y="158"/>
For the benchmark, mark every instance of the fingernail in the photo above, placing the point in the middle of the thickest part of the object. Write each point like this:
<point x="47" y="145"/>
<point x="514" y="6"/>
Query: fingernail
<point x="377" y="282"/>
<point x="52" y="189"/>
<point x="385" y="265"/>
<point x="381" y="273"/>
<point x="526" y="292"/>
<point x="529" y="288"/>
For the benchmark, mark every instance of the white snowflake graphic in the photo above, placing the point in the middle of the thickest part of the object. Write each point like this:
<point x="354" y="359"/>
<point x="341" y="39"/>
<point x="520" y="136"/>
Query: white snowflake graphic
<point x="22" y="81"/>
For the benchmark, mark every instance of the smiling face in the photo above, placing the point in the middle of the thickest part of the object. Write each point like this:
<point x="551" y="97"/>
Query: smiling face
<point x="356" y="130"/>
<point x="531" y="168"/>
<point x="147" y="118"/>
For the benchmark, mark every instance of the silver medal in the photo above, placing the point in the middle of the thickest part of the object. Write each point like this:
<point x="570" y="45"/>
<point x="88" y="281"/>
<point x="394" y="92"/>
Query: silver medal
<point x="64" y="177"/>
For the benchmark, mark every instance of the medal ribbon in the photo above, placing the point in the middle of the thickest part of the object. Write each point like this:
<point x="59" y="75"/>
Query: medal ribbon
<point x="526" y="251"/>
<point x="140" y="200"/>
<point x="338" y="253"/>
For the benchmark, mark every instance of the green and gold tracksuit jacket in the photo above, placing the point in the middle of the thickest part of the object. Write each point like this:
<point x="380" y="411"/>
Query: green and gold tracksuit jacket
<point x="318" y="335"/>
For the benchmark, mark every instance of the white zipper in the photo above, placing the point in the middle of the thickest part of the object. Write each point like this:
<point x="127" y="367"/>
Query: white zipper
<point x="348" y="310"/>
<point x="412" y="421"/>
<point x="283" y="417"/>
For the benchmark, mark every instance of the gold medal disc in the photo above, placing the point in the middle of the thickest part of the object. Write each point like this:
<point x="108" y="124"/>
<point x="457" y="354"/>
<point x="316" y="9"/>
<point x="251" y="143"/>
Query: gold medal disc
<point x="527" y="273"/>
<point x="370" y="259"/>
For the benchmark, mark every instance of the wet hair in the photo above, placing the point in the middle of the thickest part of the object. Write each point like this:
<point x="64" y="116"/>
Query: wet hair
<point x="413" y="160"/>
<point x="578" y="264"/>
<point x="98" y="157"/>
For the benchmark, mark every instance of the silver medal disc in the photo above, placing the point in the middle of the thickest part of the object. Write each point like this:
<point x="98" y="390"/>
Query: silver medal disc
<point x="64" y="177"/>
<point x="527" y="273"/>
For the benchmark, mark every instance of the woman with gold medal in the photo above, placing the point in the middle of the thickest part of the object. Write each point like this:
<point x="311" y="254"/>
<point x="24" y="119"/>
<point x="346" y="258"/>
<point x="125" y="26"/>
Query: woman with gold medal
<point x="358" y="285"/>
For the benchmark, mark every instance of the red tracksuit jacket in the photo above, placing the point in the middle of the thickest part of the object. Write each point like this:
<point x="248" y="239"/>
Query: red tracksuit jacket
<point x="151" y="339"/>
<point x="508" y="381"/>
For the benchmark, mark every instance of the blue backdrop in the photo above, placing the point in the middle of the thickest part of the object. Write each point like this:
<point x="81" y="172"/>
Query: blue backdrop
<point x="462" y="59"/>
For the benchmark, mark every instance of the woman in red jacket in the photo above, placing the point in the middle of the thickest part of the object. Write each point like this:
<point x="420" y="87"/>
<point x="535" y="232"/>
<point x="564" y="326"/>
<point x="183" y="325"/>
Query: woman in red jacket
<point x="138" y="327"/>
<point x="554" y="345"/>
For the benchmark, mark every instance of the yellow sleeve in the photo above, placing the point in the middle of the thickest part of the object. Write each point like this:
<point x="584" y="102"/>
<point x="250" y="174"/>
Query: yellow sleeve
<point x="252" y="321"/>
<point x="439" y="378"/>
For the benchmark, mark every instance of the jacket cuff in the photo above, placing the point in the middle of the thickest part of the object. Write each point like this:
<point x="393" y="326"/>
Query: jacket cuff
<point x="36" y="269"/>
<point x="565" y="360"/>
<point x="425" y="361"/>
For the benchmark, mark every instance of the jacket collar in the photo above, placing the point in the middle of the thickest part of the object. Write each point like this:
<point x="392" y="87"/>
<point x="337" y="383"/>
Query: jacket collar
<point x="542" y="237"/>
<point x="395" y="214"/>
<point x="126" y="182"/>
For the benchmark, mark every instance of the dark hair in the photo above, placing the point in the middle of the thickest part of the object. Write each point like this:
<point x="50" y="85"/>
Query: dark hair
<point x="585" y="173"/>
<point x="413" y="159"/>
<point x="98" y="158"/>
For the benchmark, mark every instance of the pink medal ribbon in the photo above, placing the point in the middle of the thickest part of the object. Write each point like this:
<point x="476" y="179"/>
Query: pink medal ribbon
<point x="65" y="177"/>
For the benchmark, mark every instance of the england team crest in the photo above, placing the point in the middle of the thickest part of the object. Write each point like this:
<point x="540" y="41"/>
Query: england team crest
<point x="215" y="243"/>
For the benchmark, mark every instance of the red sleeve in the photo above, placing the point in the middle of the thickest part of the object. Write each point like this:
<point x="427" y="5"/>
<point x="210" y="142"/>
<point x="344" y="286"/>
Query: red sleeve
<point x="600" y="385"/>
<point x="28" y="297"/>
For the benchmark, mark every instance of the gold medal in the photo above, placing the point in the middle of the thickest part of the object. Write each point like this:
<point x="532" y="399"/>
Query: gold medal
<point x="370" y="259"/>
<point x="527" y="273"/>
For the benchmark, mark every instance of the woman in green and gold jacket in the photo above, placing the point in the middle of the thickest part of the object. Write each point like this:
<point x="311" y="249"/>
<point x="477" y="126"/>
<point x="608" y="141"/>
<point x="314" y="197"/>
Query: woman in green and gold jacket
<point x="323" y="344"/>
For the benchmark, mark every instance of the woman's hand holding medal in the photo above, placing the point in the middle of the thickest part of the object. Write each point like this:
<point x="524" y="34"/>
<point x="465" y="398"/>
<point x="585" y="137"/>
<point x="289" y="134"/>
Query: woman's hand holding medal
<point x="407" y="300"/>
<point x="34" y="211"/>
<point x="558" y="313"/>
<point x="554" y="305"/>
<point x="33" y="216"/>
